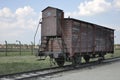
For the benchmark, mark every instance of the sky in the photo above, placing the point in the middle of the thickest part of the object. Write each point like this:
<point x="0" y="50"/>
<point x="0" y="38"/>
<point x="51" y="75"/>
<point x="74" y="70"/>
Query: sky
<point x="19" y="18"/>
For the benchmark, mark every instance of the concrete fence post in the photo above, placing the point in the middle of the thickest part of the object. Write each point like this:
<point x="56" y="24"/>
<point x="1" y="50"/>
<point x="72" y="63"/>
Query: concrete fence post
<point x="19" y="45"/>
<point x="32" y="47"/>
<point x="6" y="48"/>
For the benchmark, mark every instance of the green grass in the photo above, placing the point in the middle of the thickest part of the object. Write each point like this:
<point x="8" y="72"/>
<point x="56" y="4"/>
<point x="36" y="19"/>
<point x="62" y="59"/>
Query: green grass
<point x="116" y="54"/>
<point x="15" y="52"/>
<point x="2" y="54"/>
<point x="15" y="63"/>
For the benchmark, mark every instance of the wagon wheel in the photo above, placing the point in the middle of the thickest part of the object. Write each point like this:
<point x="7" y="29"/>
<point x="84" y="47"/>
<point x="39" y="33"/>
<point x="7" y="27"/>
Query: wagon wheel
<point x="101" y="57"/>
<point x="86" y="58"/>
<point x="76" y="59"/>
<point x="60" y="61"/>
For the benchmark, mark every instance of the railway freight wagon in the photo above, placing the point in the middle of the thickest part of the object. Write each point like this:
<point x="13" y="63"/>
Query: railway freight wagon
<point x="68" y="39"/>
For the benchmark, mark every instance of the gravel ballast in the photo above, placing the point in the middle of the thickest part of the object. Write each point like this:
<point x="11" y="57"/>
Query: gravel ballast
<point x="105" y="72"/>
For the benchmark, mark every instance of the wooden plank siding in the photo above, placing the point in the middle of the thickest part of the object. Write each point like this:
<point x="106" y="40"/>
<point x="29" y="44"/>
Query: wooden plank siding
<point x="79" y="36"/>
<point x="89" y="38"/>
<point x="51" y="22"/>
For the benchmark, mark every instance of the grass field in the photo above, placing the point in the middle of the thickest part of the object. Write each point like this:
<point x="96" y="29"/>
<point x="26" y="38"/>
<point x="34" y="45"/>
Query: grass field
<point x="2" y="54"/>
<point x="13" y="64"/>
<point x="15" y="52"/>
<point x="27" y="62"/>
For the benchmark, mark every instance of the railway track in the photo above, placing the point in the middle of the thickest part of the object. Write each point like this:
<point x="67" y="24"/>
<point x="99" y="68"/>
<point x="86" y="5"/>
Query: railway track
<point x="51" y="71"/>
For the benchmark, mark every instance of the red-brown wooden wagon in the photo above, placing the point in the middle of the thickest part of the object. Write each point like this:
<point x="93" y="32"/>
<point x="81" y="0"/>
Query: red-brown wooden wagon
<point x="68" y="39"/>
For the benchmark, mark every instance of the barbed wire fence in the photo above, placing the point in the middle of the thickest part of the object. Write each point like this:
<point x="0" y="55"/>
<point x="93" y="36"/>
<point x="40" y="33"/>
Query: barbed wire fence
<point x="9" y="49"/>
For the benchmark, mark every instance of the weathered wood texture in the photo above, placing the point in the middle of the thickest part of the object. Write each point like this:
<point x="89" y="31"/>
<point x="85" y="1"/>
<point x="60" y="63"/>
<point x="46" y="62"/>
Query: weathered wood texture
<point x="79" y="36"/>
<point x="90" y="38"/>
<point x="56" y="43"/>
<point x="51" y="22"/>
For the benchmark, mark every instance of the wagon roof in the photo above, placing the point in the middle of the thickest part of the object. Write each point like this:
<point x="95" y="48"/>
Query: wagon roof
<point x="51" y="8"/>
<point x="87" y="23"/>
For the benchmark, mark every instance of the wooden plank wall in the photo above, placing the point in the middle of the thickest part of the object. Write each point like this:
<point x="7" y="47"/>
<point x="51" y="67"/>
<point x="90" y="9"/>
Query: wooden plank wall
<point x="92" y="37"/>
<point x="81" y="37"/>
<point x="51" y="22"/>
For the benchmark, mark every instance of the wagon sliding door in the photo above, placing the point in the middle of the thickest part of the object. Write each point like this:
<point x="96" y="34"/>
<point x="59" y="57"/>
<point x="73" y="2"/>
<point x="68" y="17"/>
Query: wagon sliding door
<point x="101" y="39"/>
<point x="90" y="38"/>
<point x="87" y="38"/>
<point x="76" y="37"/>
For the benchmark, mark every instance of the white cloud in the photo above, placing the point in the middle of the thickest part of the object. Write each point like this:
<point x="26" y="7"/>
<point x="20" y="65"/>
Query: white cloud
<point x="93" y="7"/>
<point x="18" y="18"/>
<point x="90" y="7"/>
<point x="116" y="3"/>
<point x="19" y="23"/>
<point x="26" y="11"/>
<point x="6" y="12"/>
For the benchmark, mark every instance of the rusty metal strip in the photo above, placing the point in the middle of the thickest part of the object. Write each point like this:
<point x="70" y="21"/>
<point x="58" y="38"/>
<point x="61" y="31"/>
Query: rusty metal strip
<point x="94" y="37"/>
<point x="80" y="38"/>
<point x="76" y="41"/>
<point x="52" y="45"/>
<point x="87" y="38"/>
